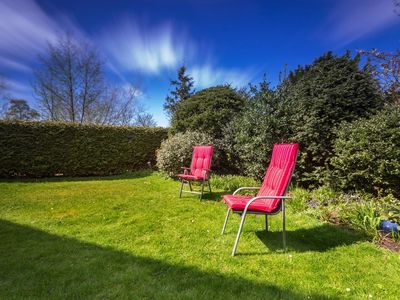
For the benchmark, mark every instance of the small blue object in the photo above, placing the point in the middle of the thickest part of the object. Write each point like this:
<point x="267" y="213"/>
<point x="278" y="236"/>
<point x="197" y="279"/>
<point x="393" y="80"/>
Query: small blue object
<point x="388" y="226"/>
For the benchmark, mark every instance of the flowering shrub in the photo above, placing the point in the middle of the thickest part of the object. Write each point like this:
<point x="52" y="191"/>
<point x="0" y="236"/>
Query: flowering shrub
<point x="176" y="151"/>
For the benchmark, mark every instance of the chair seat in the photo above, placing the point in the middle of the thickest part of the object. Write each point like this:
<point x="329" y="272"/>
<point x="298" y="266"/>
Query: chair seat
<point x="190" y="177"/>
<point x="238" y="203"/>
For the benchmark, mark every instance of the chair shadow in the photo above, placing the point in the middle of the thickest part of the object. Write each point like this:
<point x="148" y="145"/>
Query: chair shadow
<point x="37" y="264"/>
<point x="207" y="196"/>
<point x="318" y="239"/>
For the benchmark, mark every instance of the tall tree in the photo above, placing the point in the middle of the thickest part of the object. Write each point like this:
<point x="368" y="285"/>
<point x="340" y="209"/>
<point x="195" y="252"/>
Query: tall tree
<point x="19" y="109"/>
<point x="70" y="86"/>
<point x="331" y="90"/>
<point x="183" y="89"/>
<point x="208" y="110"/>
<point x="145" y="120"/>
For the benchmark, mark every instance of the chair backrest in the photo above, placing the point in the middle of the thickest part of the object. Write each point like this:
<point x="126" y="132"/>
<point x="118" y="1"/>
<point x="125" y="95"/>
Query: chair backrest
<point x="201" y="160"/>
<point x="279" y="173"/>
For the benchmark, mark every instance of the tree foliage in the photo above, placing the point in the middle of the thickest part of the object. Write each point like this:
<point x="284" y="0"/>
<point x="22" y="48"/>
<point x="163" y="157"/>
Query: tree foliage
<point x="321" y="96"/>
<point x="263" y="123"/>
<point x="183" y="89"/>
<point x="144" y="119"/>
<point x="305" y="107"/>
<point x="70" y="86"/>
<point x="208" y="111"/>
<point x="19" y="109"/>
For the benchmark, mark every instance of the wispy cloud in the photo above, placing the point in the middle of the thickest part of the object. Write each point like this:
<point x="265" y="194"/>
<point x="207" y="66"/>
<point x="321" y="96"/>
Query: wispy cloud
<point x="147" y="50"/>
<point x="354" y="19"/>
<point x="25" y="29"/>
<point x="10" y="63"/>
<point x="207" y="75"/>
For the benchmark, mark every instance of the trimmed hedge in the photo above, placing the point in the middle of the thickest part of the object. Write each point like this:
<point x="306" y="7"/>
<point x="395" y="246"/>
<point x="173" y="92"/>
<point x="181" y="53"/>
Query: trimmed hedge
<point x="37" y="149"/>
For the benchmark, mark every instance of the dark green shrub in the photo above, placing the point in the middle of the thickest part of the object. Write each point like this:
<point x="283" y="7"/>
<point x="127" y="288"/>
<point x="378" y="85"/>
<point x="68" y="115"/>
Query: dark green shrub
<point x="262" y="123"/>
<point x="321" y="96"/>
<point x="208" y="111"/>
<point x="176" y="151"/>
<point x="37" y="149"/>
<point x="367" y="154"/>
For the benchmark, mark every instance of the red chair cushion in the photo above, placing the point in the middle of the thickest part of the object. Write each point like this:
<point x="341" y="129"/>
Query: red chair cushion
<point x="276" y="181"/>
<point x="238" y="203"/>
<point x="201" y="160"/>
<point x="189" y="177"/>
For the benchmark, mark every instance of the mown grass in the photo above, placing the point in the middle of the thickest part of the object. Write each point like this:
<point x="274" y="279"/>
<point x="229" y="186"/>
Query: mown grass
<point x="132" y="237"/>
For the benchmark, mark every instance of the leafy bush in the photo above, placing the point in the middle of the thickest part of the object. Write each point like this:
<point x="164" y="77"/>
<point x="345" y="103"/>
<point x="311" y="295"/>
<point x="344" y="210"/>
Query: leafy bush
<point x="262" y="123"/>
<point x="230" y="183"/>
<point x="324" y="195"/>
<point x="363" y="215"/>
<point x="300" y="199"/>
<point x="305" y="108"/>
<point x="367" y="154"/>
<point x="176" y="151"/>
<point x="389" y="208"/>
<point x="360" y="211"/>
<point x="39" y="149"/>
<point x="208" y="111"/>
<point x="321" y="96"/>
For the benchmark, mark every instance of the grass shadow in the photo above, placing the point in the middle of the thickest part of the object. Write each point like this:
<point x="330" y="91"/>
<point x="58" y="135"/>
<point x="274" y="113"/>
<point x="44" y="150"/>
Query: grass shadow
<point x="319" y="239"/>
<point x="36" y="264"/>
<point x="128" y="175"/>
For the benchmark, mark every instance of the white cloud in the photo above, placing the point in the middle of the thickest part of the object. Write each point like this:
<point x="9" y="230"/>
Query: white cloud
<point x="148" y="50"/>
<point x="354" y="19"/>
<point x="206" y="75"/>
<point x="25" y="29"/>
<point x="10" y="63"/>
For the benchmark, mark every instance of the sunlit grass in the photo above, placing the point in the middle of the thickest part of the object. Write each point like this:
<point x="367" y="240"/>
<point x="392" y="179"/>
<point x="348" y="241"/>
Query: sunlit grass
<point x="133" y="237"/>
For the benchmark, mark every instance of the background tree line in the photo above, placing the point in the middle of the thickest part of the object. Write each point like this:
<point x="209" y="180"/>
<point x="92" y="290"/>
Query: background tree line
<point x="316" y="105"/>
<point x="70" y="85"/>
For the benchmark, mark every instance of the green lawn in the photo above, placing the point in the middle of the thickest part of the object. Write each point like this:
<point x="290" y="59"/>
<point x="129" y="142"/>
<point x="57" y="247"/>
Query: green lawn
<point x="132" y="237"/>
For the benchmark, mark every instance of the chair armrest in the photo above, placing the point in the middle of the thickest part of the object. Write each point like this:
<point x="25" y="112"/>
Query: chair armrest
<point x="185" y="170"/>
<point x="206" y="173"/>
<point x="264" y="197"/>
<point x="246" y="188"/>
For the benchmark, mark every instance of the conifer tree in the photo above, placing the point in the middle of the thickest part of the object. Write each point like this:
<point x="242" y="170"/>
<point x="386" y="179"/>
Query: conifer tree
<point x="183" y="89"/>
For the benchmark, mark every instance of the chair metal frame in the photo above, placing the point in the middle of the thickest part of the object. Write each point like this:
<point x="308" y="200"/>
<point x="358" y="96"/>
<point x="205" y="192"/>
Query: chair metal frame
<point x="206" y="174"/>
<point x="244" y="212"/>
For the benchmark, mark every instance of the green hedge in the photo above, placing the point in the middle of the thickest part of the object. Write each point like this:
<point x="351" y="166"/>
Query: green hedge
<point x="37" y="149"/>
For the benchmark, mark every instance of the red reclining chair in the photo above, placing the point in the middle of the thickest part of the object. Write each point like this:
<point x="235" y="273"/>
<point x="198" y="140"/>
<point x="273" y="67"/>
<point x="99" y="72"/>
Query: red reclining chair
<point x="199" y="170"/>
<point x="270" y="198"/>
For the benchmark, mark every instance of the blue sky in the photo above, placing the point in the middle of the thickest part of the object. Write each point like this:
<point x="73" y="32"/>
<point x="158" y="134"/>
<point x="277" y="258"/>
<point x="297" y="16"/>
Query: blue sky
<point x="220" y="41"/>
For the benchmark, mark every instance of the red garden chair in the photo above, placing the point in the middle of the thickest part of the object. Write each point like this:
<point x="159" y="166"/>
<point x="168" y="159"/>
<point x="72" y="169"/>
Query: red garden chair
<point x="270" y="198"/>
<point x="199" y="170"/>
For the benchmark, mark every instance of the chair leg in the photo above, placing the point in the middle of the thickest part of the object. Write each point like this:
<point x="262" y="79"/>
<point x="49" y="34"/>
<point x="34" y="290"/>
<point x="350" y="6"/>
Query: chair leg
<point x="239" y="232"/>
<point x="202" y="190"/>
<point x="283" y="225"/>
<point x="190" y="186"/>
<point x="209" y="186"/>
<point x="226" y="220"/>
<point x="180" y="193"/>
<point x="266" y="223"/>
